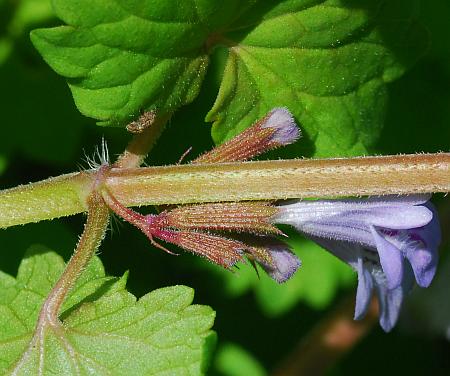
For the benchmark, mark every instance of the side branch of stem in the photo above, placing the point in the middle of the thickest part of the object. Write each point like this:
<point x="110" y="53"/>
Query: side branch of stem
<point x="94" y="230"/>
<point x="65" y="195"/>
<point x="92" y="236"/>
<point x="140" y="145"/>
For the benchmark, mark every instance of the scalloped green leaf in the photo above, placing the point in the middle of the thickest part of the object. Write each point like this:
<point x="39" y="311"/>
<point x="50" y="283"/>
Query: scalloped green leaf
<point x="106" y="330"/>
<point x="327" y="61"/>
<point x="121" y="57"/>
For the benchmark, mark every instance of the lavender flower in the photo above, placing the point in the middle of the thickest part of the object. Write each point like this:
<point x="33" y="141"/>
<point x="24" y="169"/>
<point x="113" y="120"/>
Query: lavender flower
<point x="375" y="236"/>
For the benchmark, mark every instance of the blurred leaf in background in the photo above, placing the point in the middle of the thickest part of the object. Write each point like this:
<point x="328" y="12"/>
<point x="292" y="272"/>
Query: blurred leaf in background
<point x="431" y="308"/>
<point x="418" y="117"/>
<point x="233" y="360"/>
<point x="41" y="122"/>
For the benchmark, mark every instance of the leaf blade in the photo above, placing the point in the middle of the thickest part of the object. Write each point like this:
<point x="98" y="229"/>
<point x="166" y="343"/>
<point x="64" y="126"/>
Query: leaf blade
<point x="121" y="58"/>
<point x="106" y="332"/>
<point x="326" y="61"/>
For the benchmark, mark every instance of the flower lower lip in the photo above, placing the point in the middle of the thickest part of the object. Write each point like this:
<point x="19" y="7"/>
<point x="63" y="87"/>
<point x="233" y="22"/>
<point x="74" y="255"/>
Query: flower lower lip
<point x="384" y="239"/>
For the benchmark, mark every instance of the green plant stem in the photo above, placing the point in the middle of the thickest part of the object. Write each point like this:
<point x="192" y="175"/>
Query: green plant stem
<point x="51" y="198"/>
<point x="260" y="180"/>
<point x="141" y="144"/>
<point x="93" y="234"/>
<point x="66" y="195"/>
<point x="94" y="231"/>
<point x="98" y="215"/>
<point x="281" y="179"/>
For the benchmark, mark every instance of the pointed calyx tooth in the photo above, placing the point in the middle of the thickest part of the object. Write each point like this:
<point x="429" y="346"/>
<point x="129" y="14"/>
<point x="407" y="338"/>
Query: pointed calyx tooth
<point x="276" y="258"/>
<point x="217" y="249"/>
<point x="187" y="227"/>
<point x="276" y="129"/>
<point x="254" y="217"/>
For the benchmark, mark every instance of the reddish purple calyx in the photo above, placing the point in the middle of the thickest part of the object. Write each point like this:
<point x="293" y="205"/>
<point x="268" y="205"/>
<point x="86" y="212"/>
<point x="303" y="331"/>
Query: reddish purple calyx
<point x="199" y="229"/>
<point x="276" y="129"/>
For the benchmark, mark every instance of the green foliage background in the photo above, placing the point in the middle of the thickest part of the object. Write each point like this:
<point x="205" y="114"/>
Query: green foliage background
<point x="388" y="111"/>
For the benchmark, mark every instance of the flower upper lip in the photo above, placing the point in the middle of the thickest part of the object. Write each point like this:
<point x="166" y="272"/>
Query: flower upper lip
<point x="350" y="220"/>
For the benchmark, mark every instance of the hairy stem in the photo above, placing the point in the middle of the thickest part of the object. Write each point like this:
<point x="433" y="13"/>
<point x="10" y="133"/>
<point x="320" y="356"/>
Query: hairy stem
<point x="281" y="179"/>
<point x="65" y="195"/>
<point x="51" y="198"/>
<point x="93" y="234"/>
<point x="94" y="230"/>
<point x="260" y="180"/>
<point x="72" y="191"/>
<point x="140" y="145"/>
